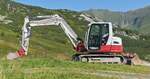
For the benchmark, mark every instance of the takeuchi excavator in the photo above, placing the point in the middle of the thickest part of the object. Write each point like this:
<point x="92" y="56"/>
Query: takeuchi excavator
<point x="99" y="45"/>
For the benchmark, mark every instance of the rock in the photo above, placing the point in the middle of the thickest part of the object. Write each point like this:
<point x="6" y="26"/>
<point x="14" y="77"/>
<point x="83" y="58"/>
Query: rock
<point x="87" y="18"/>
<point x="2" y="17"/>
<point x="4" y="20"/>
<point x="7" y="21"/>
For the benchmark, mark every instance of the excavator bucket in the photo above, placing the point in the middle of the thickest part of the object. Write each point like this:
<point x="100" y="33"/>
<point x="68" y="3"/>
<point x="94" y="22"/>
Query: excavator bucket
<point x="12" y="56"/>
<point x="19" y="53"/>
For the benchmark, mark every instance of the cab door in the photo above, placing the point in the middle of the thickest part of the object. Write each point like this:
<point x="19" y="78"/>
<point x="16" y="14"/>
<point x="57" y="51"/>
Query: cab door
<point x="97" y="35"/>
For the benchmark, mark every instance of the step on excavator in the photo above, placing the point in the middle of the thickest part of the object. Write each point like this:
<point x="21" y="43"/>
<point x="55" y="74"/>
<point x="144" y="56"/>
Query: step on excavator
<point x="100" y="45"/>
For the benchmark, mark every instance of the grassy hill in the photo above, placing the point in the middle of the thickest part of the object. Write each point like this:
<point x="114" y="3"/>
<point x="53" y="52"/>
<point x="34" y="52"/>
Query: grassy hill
<point x="136" y="19"/>
<point x="50" y="52"/>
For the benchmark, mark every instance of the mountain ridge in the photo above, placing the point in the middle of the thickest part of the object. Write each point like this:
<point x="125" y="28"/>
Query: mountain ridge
<point x="135" y="19"/>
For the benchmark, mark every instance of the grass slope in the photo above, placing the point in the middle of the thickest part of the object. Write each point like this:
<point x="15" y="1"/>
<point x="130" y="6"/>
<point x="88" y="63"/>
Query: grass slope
<point x="60" y="69"/>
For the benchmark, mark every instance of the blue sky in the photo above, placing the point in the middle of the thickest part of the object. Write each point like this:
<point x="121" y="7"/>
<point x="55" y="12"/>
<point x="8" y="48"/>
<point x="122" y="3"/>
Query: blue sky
<point x="79" y="5"/>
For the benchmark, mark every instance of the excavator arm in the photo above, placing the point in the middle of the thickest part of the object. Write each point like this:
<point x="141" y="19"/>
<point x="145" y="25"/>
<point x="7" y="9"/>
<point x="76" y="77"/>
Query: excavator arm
<point x="30" y="22"/>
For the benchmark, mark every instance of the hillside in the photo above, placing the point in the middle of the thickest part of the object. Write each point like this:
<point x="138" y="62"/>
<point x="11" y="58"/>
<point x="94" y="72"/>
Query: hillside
<point x="12" y="30"/>
<point x="136" y="19"/>
<point x="50" y="52"/>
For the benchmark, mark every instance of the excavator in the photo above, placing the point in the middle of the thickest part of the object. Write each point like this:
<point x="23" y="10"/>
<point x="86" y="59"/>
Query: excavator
<point x="100" y="44"/>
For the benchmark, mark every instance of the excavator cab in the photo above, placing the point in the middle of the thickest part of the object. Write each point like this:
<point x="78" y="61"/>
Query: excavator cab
<point x="99" y="38"/>
<point x="98" y="35"/>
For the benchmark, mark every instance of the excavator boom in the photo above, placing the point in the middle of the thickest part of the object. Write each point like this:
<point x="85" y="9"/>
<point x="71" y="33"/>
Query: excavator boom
<point x="30" y="22"/>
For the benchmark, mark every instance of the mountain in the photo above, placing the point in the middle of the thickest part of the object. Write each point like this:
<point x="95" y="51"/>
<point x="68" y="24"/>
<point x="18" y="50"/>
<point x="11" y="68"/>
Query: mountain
<point x="50" y="52"/>
<point x="136" y="19"/>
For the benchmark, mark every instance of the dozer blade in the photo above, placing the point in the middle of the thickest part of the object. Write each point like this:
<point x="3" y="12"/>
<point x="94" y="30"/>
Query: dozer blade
<point x="137" y="61"/>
